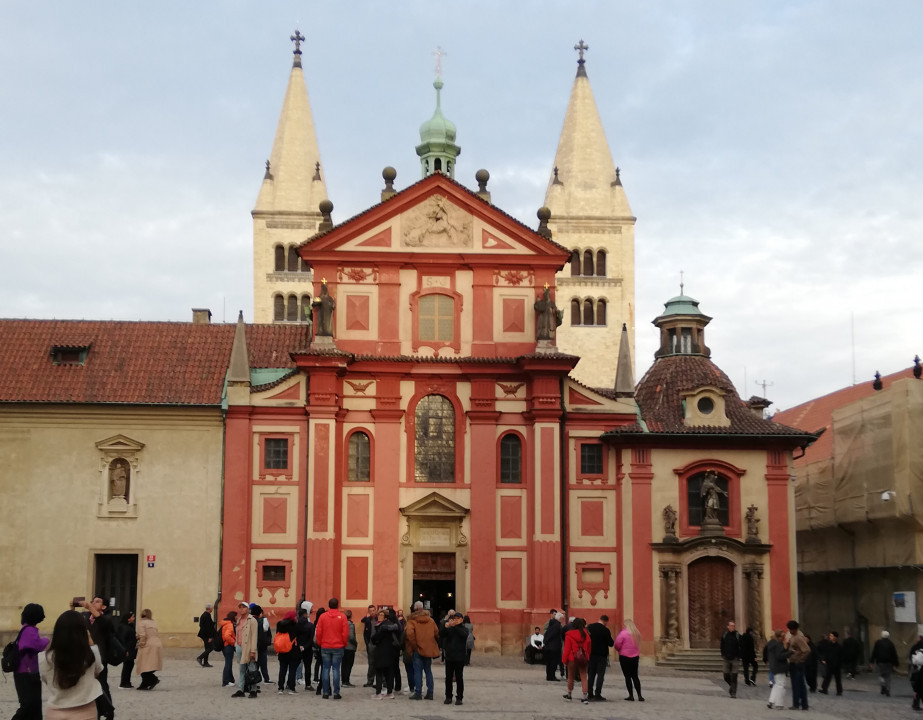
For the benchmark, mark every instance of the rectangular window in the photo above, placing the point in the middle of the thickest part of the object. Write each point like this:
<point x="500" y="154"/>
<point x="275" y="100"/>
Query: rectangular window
<point x="274" y="573"/>
<point x="436" y="318"/>
<point x="359" y="458"/>
<point x="591" y="459"/>
<point x="510" y="460"/>
<point x="276" y="454"/>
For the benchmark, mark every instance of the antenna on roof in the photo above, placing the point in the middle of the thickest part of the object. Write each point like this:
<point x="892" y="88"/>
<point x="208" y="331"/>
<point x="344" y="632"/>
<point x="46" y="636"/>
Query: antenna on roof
<point x="764" y="384"/>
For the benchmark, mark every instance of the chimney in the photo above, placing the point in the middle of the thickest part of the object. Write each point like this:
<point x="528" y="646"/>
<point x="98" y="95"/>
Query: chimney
<point x="201" y="316"/>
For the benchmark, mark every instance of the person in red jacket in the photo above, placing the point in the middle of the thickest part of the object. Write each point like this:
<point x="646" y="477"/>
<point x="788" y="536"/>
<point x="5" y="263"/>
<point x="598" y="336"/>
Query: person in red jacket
<point x="331" y="635"/>
<point x="576" y="657"/>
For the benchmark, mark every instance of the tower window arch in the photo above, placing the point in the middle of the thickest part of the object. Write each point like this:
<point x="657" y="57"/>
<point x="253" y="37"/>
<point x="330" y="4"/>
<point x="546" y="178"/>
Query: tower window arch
<point x="588" y="262"/>
<point x="303" y="265"/>
<point x="305" y="308"/>
<point x="575" y="313"/>
<point x="437" y="165"/>
<point x="292" y="259"/>
<point x="575" y="263"/>
<point x="601" y="263"/>
<point x="434" y="439"/>
<point x="279" y="253"/>
<point x="601" y="311"/>
<point x="291" y="309"/>
<point x="278" y="308"/>
<point x="588" y="312"/>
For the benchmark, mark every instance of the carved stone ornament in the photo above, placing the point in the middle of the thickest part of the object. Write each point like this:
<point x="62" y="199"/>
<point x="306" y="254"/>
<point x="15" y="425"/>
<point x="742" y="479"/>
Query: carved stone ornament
<point x="669" y="524"/>
<point x="437" y="223"/>
<point x="753" y="525"/>
<point x="119" y="469"/>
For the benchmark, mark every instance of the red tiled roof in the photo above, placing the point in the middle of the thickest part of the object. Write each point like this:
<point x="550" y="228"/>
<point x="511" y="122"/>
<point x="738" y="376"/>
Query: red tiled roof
<point x="817" y="414"/>
<point x="147" y="363"/>
<point x="659" y="397"/>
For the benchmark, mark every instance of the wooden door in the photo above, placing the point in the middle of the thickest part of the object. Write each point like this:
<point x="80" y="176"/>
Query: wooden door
<point x="711" y="601"/>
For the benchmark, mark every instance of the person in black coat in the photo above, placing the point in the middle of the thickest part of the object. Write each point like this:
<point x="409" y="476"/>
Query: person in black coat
<point x="453" y="636"/>
<point x="305" y="639"/>
<point x="852" y="654"/>
<point x="810" y="666"/>
<point x="206" y="634"/>
<point x="600" y="642"/>
<point x="748" y="656"/>
<point x="386" y="649"/>
<point x="126" y="633"/>
<point x="884" y="656"/>
<point x="830" y="654"/>
<point x="730" y="657"/>
<point x="554" y="643"/>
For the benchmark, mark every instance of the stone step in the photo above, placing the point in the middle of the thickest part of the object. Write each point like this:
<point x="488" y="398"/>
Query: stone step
<point x="694" y="659"/>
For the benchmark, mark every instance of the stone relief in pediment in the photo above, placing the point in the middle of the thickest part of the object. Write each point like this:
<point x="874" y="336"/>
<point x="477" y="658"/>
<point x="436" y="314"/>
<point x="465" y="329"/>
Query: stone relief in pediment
<point x="436" y="223"/>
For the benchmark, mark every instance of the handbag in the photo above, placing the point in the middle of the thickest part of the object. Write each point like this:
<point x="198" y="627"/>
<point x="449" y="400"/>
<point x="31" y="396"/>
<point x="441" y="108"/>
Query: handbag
<point x="253" y="677"/>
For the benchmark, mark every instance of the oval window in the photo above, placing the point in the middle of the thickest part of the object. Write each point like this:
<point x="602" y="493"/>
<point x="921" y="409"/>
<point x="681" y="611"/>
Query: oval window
<point x="705" y="405"/>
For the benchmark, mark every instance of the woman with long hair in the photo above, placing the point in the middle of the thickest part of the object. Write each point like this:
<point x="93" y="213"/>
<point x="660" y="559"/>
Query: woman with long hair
<point x="229" y="640"/>
<point x="576" y="657"/>
<point x="127" y="635"/>
<point x="628" y="646"/>
<point x="69" y="668"/>
<point x="150" y="651"/>
<point x="25" y="674"/>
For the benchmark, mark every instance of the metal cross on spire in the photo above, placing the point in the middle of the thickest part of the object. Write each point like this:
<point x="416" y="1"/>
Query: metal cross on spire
<point x="680" y="282"/>
<point x="581" y="47"/>
<point x="439" y="53"/>
<point x="297" y="38"/>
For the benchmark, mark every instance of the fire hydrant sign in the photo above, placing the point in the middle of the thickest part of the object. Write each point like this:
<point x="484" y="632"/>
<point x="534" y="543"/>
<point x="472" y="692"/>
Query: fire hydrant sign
<point x="150" y="560"/>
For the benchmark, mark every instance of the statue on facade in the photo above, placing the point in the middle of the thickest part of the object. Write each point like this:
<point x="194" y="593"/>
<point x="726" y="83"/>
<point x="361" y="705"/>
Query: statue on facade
<point x="753" y="524"/>
<point x="669" y="524"/>
<point x="325" y="307"/>
<point x="549" y="317"/>
<point x="118" y="479"/>
<point x="710" y="496"/>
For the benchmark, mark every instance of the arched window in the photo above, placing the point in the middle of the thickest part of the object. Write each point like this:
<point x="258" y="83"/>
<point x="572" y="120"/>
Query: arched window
<point x="436" y="320"/>
<point x="698" y="499"/>
<point x="434" y="453"/>
<point x="291" y="309"/>
<point x="292" y="259"/>
<point x="575" y="312"/>
<point x="437" y="165"/>
<point x="575" y="263"/>
<point x="601" y="263"/>
<point x="601" y="311"/>
<point x="303" y="265"/>
<point x="588" y="263"/>
<point x="280" y="258"/>
<point x="360" y="458"/>
<point x="588" y="312"/>
<point x="511" y="459"/>
<point x="278" y="308"/>
<point x="305" y="308"/>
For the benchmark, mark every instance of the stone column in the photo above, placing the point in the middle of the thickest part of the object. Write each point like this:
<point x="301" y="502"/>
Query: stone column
<point x="754" y="576"/>
<point x="669" y="575"/>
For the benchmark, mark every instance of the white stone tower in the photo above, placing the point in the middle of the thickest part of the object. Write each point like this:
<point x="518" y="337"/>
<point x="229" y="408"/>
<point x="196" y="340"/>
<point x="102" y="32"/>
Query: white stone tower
<point x="286" y="211"/>
<point x="591" y="216"/>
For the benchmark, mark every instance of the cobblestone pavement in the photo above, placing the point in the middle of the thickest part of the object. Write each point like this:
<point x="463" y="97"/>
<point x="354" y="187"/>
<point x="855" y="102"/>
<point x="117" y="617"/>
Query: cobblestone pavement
<point x="495" y="687"/>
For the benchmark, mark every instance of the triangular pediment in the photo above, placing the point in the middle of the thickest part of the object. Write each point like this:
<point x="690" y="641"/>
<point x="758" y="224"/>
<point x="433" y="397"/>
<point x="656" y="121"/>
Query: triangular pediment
<point x="434" y="505"/>
<point x="581" y="398"/>
<point x="436" y="215"/>
<point x="119" y="444"/>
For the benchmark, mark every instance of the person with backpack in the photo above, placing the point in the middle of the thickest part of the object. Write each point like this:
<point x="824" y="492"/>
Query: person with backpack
<point x="28" y="644"/>
<point x="226" y="641"/>
<point x="286" y="646"/>
<point x="263" y="641"/>
<point x="628" y="646"/>
<point x="576" y="657"/>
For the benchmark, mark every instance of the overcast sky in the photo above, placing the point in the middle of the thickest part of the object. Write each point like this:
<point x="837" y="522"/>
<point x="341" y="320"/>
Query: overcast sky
<point x="770" y="150"/>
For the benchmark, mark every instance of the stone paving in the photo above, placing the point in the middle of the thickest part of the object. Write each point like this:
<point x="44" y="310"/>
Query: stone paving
<point x="495" y="687"/>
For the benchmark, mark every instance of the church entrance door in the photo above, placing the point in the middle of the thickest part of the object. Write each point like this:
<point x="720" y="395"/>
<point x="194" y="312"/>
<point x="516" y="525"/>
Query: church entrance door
<point x="116" y="580"/>
<point x="434" y="581"/>
<point x="711" y="601"/>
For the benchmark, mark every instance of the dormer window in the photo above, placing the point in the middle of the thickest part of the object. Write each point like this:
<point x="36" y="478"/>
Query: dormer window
<point x="69" y="354"/>
<point x="705" y="406"/>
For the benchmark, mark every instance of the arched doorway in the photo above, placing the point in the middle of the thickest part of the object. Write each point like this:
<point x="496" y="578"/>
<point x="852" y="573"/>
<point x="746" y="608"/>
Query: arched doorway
<point x="711" y="600"/>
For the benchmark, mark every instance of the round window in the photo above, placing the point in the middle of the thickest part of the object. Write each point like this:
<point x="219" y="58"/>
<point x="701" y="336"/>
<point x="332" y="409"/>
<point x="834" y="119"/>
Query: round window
<point x="705" y="405"/>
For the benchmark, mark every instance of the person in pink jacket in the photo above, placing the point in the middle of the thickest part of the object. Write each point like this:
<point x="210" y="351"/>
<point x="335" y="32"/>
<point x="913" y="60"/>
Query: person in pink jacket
<point x="576" y="657"/>
<point x="628" y="645"/>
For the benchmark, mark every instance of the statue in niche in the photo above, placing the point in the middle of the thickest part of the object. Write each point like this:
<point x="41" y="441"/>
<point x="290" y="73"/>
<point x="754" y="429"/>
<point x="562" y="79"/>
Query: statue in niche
<point x="549" y="317"/>
<point x="669" y="522"/>
<point x="709" y="493"/>
<point x="753" y="523"/>
<point x="119" y="474"/>
<point x="325" y="307"/>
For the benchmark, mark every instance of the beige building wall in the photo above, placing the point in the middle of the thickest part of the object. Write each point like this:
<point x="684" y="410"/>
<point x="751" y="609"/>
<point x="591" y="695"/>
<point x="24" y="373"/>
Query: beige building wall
<point x="57" y="514"/>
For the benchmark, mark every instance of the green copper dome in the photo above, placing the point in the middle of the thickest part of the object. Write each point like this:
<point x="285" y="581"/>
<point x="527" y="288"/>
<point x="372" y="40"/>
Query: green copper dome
<point x="437" y="148"/>
<point x="681" y="305"/>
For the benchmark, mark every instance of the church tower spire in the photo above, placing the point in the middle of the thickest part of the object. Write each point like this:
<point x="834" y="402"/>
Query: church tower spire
<point x="437" y="148"/>
<point x="590" y="215"/>
<point x="286" y="211"/>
